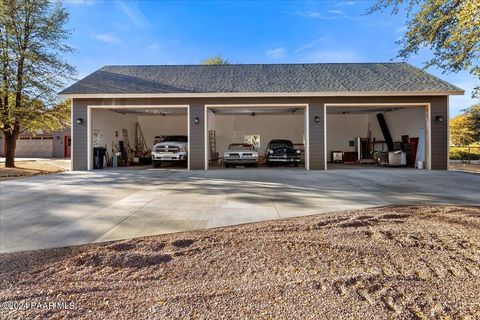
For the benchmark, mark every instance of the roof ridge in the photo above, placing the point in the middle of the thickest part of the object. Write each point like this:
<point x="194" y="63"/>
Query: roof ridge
<point x="247" y="64"/>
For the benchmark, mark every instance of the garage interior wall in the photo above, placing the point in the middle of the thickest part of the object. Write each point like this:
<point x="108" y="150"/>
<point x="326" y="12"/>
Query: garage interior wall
<point x="106" y="122"/>
<point x="232" y="128"/>
<point x="341" y="128"/>
<point x="161" y="125"/>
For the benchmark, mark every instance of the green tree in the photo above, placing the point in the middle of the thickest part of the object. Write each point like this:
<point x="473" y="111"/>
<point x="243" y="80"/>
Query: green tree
<point x="463" y="130"/>
<point x="450" y="28"/>
<point x="32" y="42"/>
<point x="218" y="59"/>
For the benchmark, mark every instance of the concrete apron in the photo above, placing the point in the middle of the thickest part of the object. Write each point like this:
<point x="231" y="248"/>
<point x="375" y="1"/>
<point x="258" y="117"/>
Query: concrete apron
<point x="77" y="208"/>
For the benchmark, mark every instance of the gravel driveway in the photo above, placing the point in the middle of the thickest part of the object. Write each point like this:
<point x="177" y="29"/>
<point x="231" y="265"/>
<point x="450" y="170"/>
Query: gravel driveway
<point x="392" y="262"/>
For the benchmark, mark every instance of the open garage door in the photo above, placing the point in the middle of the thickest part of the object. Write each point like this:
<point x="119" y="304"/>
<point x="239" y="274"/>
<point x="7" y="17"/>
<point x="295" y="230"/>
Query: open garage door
<point x="256" y="136"/>
<point x="142" y="137"/>
<point x="368" y="136"/>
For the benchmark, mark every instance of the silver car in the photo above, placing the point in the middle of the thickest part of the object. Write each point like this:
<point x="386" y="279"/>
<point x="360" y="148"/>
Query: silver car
<point x="240" y="154"/>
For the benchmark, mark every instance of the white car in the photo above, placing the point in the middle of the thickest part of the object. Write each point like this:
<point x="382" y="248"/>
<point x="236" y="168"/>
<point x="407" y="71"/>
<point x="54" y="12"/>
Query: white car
<point x="172" y="149"/>
<point x="240" y="154"/>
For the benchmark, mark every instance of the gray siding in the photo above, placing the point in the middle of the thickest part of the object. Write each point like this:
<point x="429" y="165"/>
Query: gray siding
<point x="317" y="136"/>
<point x="197" y="137"/>
<point x="439" y="132"/>
<point x="79" y="138"/>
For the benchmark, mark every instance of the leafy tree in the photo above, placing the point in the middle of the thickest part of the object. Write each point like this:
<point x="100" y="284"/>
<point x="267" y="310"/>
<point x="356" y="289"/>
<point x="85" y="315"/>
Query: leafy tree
<point x="451" y="28"/>
<point x="463" y="130"/>
<point x="32" y="36"/>
<point x="218" y="59"/>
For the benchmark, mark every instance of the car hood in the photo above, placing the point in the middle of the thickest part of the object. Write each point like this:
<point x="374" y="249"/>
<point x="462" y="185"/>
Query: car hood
<point x="171" y="143"/>
<point x="284" y="150"/>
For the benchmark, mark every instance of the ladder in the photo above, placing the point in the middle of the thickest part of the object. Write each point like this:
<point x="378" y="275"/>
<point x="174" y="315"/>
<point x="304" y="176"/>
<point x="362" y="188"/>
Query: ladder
<point x="212" y="139"/>
<point x="127" y="145"/>
<point x="140" y="143"/>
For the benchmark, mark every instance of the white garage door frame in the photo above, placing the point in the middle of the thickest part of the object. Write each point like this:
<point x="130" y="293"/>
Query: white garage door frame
<point x="262" y="105"/>
<point x="428" y="123"/>
<point x="113" y="107"/>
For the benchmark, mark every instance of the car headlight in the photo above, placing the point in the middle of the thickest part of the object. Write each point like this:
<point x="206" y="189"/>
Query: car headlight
<point x="226" y="155"/>
<point x="255" y="155"/>
<point x="270" y="151"/>
<point x="298" y="151"/>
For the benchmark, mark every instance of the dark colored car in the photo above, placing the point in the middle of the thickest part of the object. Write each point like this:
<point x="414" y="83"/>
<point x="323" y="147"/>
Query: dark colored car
<point x="282" y="151"/>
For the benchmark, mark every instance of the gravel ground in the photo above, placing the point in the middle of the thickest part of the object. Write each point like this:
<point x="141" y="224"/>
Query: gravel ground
<point x="392" y="262"/>
<point x="466" y="167"/>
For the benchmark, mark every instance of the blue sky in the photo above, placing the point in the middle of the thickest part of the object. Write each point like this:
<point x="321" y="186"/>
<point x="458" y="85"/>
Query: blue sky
<point x="185" y="32"/>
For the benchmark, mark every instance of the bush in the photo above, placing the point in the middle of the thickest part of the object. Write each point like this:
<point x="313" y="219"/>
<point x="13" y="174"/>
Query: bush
<point x="462" y="153"/>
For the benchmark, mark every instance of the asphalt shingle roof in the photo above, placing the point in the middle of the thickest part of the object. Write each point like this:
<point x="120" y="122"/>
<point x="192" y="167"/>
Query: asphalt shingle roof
<point x="260" y="78"/>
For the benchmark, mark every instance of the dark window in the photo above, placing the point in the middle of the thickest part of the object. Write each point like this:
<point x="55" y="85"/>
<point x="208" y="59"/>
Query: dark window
<point x="175" y="139"/>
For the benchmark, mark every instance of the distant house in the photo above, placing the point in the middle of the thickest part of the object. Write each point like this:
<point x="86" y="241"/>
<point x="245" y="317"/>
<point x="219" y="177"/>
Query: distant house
<point x="41" y="145"/>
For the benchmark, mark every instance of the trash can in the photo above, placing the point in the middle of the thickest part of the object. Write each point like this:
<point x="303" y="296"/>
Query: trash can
<point x="98" y="155"/>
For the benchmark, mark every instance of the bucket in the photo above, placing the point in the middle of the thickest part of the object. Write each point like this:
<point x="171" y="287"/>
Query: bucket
<point x="419" y="164"/>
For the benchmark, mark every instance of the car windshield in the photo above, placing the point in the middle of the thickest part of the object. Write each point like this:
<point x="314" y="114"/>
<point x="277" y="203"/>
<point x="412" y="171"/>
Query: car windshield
<point x="280" y="143"/>
<point x="175" y="139"/>
<point x="241" y="146"/>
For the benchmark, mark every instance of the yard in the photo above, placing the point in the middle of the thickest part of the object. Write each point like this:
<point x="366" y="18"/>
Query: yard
<point x="397" y="261"/>
<point x="28" y="168"/>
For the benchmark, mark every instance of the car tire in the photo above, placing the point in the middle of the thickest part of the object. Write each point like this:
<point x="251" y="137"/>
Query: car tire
<point x="157" y="164"/>
<point x="295" y="164"/>
<point x="227" y="165"/>
<point x="269" y="164"/>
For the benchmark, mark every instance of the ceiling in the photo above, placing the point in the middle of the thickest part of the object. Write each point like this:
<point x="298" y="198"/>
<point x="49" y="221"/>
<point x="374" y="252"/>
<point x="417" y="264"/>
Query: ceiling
<point x="153" y="111"/>
<point x="362" y="109"/>
<point x="254" y="111"/>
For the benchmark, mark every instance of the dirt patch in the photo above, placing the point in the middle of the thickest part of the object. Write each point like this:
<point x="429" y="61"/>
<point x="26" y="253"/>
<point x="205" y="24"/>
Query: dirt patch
<point x="465" y="167"/>
<point x="28" y="169"/>
<point x="353" y="264"/>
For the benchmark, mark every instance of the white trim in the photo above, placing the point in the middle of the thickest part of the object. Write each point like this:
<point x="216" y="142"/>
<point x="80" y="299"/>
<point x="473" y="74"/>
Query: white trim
<point x="448" y="131"/>
<point x="188" y="137"/>
<point x="258" y="105"/>
<point x="89" y="125"/>
<point x="71" y="136"/>
<point x="89" y="139"/>
<point x="428" y="138"/>
<point x="205" y="133"/>
<point x="428" y="142"/>
<point x="307" y="137"/>
<point x="325" y="157"/>
<point x="263" y="94"/>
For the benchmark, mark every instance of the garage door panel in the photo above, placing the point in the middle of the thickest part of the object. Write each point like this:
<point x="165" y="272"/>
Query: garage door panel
<point x="34" y="148"/>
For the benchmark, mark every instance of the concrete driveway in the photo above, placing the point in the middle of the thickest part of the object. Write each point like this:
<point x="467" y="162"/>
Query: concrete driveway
<point x="83" y="207"/>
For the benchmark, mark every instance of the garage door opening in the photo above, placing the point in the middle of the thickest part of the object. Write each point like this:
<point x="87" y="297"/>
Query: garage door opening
<point x="374" y="136"/>
<point x="139" y="137"/>
<point x="256" y="136"/>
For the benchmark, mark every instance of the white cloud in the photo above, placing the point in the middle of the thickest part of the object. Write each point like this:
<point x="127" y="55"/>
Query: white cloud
<point x="331" y="14"/>
<point x="107" y="38"/>
<point x="401" y="29"/>
<point x="153" y="46"/>
<point x="311" y="45"/>
<point x="276" y="53"/>
<point x="133" y="13"/>
<point x="325" y="56"/>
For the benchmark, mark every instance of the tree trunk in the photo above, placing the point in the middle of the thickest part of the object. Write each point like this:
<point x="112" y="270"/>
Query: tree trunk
<point x="11" y="144"/>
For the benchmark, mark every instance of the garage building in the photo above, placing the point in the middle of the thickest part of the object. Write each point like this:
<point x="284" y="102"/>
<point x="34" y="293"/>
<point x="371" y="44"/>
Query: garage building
<point x="335" y="113"/>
